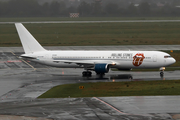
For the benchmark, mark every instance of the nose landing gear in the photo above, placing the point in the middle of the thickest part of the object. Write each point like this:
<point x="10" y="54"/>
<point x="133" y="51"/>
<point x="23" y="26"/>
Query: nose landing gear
<point x="162" y="72"/>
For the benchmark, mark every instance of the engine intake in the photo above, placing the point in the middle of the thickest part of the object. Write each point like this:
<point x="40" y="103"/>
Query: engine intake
<point x="101" y="68"/>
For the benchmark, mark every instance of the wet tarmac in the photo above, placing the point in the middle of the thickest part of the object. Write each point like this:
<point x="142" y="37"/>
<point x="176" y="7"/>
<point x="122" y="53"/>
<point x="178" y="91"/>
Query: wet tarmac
<point x="132" y="108"/>
<point x="21" y="82"/>
<point x="110" y="21"/>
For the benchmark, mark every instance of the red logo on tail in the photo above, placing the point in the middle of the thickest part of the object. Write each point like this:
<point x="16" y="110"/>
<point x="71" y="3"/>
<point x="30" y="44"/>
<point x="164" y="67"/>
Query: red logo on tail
<point x="138" y="59"/>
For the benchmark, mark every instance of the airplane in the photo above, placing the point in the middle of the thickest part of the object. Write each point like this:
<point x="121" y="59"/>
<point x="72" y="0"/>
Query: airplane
<point x="98" y="61"/>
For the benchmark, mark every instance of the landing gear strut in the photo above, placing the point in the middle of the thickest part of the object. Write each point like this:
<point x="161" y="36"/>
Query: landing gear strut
<point x="86" y="73"/>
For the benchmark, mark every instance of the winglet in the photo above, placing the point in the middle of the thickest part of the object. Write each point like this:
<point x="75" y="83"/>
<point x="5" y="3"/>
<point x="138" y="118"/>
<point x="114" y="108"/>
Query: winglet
<point x="29" y="43"/>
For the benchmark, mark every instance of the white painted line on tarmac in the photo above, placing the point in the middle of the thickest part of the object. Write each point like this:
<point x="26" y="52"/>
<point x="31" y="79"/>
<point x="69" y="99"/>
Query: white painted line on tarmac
<point x="109" y="105"/>
<point x="25" y="62"/>
<point x="119" y="110"/>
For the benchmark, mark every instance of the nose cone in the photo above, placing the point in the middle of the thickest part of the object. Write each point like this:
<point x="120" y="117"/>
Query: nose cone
<point x="173" y="61"/>
<point x="170" y="61"/>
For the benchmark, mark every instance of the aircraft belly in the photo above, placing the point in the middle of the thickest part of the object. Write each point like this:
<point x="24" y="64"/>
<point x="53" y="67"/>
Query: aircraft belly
<point x="62" y="64"/>
<point x="147" y="64"/>
<point x="137" y="64"/>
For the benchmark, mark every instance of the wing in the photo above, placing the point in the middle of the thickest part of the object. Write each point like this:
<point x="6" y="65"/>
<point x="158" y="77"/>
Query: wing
<point x="89" y="63"/>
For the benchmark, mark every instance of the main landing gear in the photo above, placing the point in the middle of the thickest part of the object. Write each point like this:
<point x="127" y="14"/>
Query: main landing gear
<point x="162" y="71"/>
<point x="100" y="75"/>
<point x="86" y="73"/>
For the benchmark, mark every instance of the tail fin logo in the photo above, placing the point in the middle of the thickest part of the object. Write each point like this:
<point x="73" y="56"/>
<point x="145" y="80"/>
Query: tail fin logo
<point x="138" y="59"/>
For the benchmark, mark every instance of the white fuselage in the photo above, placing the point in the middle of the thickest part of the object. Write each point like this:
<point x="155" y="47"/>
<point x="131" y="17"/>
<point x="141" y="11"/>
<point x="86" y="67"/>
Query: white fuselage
<point x="99" y="61"/>
<point x="119" y="59"/>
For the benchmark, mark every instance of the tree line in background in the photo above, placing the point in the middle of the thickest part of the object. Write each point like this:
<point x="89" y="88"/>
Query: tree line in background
<point x="31" y="8"/>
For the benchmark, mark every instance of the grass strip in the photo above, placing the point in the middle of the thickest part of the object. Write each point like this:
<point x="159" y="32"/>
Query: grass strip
<point x="87" y="34"/>
<point x="106" y="89"/>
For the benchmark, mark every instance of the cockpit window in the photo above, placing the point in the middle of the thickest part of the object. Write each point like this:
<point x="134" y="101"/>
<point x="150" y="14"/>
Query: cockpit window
<point x="167" y="56"/>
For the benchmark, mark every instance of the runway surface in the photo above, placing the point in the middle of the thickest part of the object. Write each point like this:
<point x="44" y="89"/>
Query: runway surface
<point x="110" y="21"/>
<point x="21" y="82"/>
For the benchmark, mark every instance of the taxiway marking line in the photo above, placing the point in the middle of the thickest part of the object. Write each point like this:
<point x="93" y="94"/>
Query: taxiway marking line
<point x="109" y="105"/>
<point x="119" y="110"/>
<point x="25" y="62"/>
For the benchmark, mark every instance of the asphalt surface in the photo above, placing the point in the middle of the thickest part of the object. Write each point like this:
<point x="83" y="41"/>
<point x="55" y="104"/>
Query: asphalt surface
<point x="123" y="21"/>
<point x="21" y="82"/>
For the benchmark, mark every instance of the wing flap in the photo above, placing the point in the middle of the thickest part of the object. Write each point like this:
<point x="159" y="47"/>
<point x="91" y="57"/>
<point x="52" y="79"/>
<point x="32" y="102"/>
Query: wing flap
<point x="86" y="62"/>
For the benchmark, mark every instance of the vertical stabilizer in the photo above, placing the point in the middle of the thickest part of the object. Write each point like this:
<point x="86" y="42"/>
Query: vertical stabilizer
<point x="29" y="43"/>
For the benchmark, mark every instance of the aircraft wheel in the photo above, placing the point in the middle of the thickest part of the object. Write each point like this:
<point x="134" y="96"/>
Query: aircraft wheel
<point x="89" y="73"/>
<point x="86" y="73"/>
<point x="161" y="73"/>
<point x="130" y="77"/>
<point x="100" y="73"/>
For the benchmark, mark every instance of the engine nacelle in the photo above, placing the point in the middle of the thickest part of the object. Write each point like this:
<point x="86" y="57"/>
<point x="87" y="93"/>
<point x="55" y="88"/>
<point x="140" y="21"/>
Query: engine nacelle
<point x="101" y="68"/>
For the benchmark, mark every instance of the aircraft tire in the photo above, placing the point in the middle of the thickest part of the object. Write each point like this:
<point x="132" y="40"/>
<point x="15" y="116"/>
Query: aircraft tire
<point x="161" y="74"/>
<point x="86" y="73"/>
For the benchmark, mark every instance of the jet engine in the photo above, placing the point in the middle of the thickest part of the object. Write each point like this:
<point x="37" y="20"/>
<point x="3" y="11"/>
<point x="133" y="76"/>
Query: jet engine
<point x="101" y="68"/>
